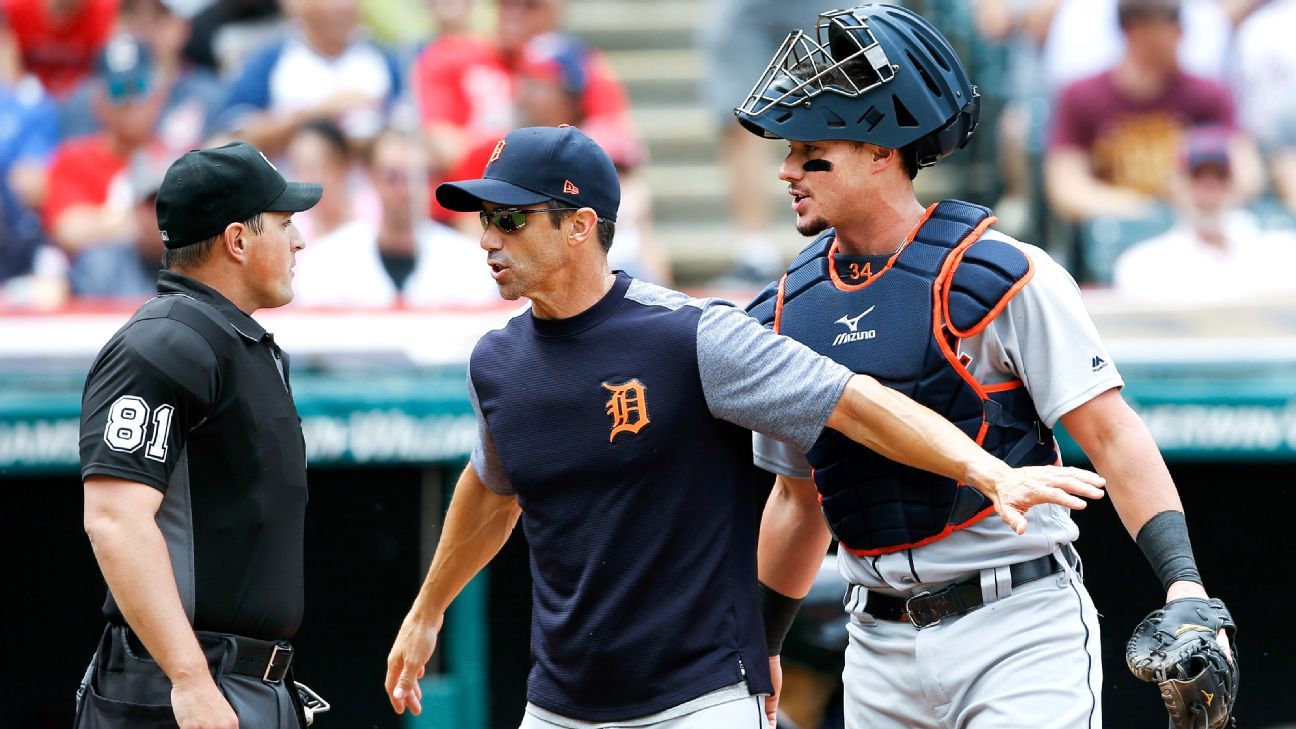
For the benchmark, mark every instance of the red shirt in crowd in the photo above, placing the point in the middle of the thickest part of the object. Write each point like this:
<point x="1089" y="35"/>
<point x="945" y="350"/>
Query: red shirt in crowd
<point x="468" y="83"/>
<point x="1135" y="144"/>
<point x="59" y="54"/>
<point x="80" y="173"/>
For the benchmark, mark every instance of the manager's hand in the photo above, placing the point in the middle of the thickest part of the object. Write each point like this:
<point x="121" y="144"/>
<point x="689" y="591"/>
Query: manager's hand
<point x="1015" y="490"/>
<point x="407" y="661"/>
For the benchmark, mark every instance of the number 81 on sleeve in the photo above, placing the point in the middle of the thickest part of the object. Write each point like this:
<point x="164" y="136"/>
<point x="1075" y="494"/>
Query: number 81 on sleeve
<point x="128" y="419"/>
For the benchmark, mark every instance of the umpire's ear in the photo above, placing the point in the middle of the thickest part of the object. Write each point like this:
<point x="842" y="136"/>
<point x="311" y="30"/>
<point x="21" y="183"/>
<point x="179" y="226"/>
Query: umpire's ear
<point x="235" y="241"/>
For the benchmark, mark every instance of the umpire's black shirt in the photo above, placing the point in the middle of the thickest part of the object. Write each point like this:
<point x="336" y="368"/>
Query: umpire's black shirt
<point x="191" y="397"/>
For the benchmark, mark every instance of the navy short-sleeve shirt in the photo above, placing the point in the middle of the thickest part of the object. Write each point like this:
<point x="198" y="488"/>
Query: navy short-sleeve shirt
<point x="624" y="431"/>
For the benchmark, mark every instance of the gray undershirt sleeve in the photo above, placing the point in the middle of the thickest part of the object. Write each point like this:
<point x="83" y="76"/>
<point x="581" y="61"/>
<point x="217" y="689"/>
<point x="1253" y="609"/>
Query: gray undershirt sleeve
<point x="485" y="458"/>
<point x="779" y="458"/>
<point x="763" y="381"/>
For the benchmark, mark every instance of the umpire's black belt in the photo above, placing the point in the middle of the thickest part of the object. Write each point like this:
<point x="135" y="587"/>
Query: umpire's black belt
<point x="267" y="660"/>
<point x="925" y="609"/>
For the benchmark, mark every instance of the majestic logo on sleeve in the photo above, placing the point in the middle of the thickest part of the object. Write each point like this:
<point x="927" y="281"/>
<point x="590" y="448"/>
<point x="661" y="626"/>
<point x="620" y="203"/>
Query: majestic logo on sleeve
<point x="852" y="323"/>
<point x="628" y="407"/>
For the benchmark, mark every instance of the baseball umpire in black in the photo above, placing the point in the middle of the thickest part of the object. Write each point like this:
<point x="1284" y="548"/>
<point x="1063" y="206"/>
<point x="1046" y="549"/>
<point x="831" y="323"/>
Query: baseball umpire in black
<point x="195" y="467"/>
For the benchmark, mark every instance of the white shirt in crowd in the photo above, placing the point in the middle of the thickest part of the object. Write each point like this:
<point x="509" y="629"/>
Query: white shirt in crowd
<point x="1179" y="267"/>
<point x="344" y="269"/>
<point x="1085" y="38"/>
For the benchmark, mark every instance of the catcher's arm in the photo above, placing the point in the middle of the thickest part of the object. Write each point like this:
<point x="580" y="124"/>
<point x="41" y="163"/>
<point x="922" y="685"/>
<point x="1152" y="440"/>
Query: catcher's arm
<point x="1123" y="451"/>
<point x="1185" y="647"/>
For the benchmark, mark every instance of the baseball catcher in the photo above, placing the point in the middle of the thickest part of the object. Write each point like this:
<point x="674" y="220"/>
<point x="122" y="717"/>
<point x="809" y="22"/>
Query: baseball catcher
<point x="1177" y="648"/>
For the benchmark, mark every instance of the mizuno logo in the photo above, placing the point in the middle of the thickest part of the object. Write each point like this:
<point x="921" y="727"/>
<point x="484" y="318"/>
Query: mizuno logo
<point x="852" y="323"/>
<point x="1186" y="627"/>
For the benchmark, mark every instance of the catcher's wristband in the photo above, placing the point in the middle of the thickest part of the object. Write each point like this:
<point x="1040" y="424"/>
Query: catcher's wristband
<point x="1164" y="541"/>
<point x="778" y="611"/>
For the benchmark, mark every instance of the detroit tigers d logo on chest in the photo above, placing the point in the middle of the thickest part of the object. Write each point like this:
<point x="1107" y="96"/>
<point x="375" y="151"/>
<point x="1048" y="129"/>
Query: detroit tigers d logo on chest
<point x="628" y="407"/>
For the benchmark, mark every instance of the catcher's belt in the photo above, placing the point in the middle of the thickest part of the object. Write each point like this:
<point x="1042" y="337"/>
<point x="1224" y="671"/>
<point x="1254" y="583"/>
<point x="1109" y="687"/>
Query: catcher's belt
<point x="925" y="609"/>
<point x="1177" y="648"/>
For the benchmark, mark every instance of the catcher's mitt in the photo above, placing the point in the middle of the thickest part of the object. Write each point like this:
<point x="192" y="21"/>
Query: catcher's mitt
<point x="1176" y="648"/>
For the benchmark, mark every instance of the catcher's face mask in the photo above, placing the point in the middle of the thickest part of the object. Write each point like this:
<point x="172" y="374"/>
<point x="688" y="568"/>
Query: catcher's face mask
<point x="877" y="73"/>
<point x="804" y="68"/>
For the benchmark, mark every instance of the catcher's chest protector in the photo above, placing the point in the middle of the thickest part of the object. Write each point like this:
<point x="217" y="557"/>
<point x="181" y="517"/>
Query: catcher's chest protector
<point x="903" y="326"/>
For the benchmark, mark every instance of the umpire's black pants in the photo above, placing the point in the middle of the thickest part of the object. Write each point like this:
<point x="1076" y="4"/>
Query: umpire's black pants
<point x="125" y="689"/>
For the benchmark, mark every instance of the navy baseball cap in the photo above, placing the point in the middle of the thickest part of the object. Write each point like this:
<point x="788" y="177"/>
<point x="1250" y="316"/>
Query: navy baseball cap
<point x="536" y="164"/>
<point x="207" y="189"/>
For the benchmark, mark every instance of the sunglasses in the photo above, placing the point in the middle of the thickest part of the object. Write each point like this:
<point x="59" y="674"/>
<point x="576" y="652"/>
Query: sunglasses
<point x="511" y="220"/>
<point x="122" y="89"/>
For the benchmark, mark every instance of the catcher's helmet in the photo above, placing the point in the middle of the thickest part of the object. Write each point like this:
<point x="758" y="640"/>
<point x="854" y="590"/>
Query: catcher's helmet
<point x="876" y="73"/>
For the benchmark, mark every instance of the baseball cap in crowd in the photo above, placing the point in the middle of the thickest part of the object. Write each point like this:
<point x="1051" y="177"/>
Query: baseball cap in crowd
<point x="1204" y="146"/>
<point x="207" y="189"/>
<point x="558" y="59"/>
<point x="534" y="164"/>
<point x="125" y="67"/>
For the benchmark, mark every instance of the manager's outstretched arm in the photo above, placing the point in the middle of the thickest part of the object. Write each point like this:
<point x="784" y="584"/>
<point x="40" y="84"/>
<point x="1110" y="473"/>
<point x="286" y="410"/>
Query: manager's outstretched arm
<point x="904" y="431"/>
<point x="477" y="525"/>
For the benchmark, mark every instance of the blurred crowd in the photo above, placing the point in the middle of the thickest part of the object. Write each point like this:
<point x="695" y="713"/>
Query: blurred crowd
<point x="98" y="97"/>
<point x="1149" y="144"/>
<point x="1162" y="135"/>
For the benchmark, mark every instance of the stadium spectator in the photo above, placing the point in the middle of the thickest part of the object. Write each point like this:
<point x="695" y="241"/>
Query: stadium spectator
<point x="1266" y="89"/>
<point x="1115" y="135"/>
<point x="193" y="95"/>
<point x="228" y="32"/>
<point x="28" y="135"/>
<point x="406" y="257"/>
<point x="451" y="17"/>
<point x="59" y="38"/>
<point x="318" y="151"/>
<point x="464" y="84"/>
<point x="736" y="37"/>
<point x="87" y="200"/>
<point x="1084" y="38"/>
<point x="1215" y="251"/>
<point x="323" y="69"/>
<point x="128" y="269"/>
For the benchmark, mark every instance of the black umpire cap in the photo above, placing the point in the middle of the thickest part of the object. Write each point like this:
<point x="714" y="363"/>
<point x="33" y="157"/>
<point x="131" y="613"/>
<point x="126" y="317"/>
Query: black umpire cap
<point x="207" y="189"/>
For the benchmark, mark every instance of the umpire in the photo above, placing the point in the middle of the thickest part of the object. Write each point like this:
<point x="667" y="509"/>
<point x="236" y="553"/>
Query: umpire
<point x="195" y="466"/>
